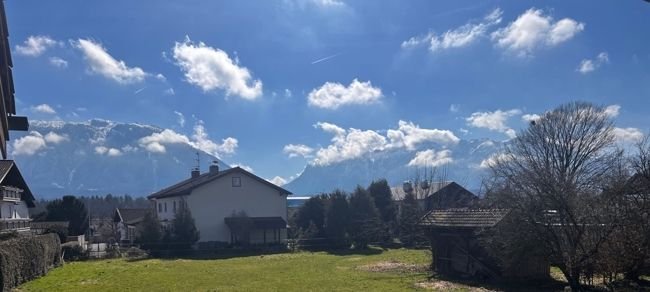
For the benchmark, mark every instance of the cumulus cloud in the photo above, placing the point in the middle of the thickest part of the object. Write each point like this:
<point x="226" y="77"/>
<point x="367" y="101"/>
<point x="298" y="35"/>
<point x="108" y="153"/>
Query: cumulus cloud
<point x="533" y="30"/>
<point x="156" y="142"/>
<point x="494" y="159"/>
<point x="35" y="46"/>
<point x="628" y="135"/>
<point x="431" y="158"/>
<point x="612" y="111"/>
<point x="102" y="63"/>
<point x="494" y="121"/>
<point x="278" y="181"/>
<point x="29" y="145"/>
<point x="296" y="150"/>
<point x="211" y="68"/>
<point x="44" y="108"/>
<point x="588" y="65"/>
<point x="112" y="152"/>
<point x="456" y="38"/>
<point x="244" y="167"/>
<point x="530" y="117"/>
<point x="55" y="138"/>
<point x="353" y="143"/>
<point x="409" y="135"/>
<point x="58" y="62"/>
<point x="332" y="95"/>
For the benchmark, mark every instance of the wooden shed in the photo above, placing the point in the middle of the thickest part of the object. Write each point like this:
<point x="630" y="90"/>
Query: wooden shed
<point x="458" y="252"/>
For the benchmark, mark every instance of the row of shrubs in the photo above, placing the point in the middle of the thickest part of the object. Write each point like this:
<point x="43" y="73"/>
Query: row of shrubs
<point x="24" y="258"/>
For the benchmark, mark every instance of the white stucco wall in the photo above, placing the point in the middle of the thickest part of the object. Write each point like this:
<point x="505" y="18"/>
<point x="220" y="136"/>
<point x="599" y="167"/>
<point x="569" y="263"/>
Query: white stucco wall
<point x="168" y="213"/>
<point x="212" y="202"/>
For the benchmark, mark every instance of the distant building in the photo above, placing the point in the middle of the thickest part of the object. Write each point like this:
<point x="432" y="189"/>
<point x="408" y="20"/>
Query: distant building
<point x="458" y="252"/>
<point x="223" y="201"/>
<point x="126" y="222"/>
<point x="16" y="199"/>
<point x="436" y="195"/>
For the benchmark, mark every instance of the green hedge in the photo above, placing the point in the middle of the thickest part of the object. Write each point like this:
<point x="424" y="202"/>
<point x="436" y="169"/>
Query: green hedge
<point x="27" y="257"/>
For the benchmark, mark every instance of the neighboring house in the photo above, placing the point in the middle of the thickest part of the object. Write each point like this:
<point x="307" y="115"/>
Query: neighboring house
<point x="221" y="202"/>
<point x="458" y="252"/>
<point x="126" y="223"/>
<point x="437" y="195"/>
<point x="16" y="198"/>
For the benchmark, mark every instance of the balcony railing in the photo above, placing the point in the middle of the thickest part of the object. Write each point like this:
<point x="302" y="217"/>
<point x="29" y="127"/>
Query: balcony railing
<point x="14" y="224"/>
<point x="10" y="193"/>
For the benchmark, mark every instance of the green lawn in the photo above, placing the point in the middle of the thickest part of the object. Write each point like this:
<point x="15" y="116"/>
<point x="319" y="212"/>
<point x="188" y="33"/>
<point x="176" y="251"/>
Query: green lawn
<point x="391" y="270"/>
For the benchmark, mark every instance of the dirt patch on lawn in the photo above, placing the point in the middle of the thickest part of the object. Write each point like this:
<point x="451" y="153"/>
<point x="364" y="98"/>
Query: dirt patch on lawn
<point x="394" y="267"/>
<point x="440" y="285"/>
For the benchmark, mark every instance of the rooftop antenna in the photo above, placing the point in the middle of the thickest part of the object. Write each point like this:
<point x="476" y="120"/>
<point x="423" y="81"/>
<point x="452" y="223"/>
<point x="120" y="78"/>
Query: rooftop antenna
<point x="198" y="160"/>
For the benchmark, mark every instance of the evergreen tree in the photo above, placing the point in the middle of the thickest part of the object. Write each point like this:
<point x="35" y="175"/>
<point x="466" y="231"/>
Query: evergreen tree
<point x="184" y="232"/>
<point x="383" y="198"/>
<point x="409" y="233"/>
<point x="312" y="211"/>
<point x="70" y="209"/>
<point x="337" y="219"/>
<point x="365" y="224"/>
<point x="150" y="232"/>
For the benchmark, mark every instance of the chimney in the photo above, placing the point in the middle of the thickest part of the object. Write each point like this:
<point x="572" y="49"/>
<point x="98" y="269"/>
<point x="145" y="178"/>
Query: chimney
<point x="214" y="168"/>
<point x="196" y="173"/>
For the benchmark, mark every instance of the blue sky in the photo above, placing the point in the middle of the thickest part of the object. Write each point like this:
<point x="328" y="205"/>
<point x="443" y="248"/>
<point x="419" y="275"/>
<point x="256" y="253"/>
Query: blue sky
<point x="289" y="80"/>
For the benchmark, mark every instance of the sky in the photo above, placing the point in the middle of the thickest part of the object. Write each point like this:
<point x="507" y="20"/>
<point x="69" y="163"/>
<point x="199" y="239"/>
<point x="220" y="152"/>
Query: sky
<point x="276" y="85"/>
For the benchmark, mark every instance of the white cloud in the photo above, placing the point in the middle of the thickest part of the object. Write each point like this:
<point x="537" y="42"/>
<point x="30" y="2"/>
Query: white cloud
<point x="181" y="118"/>
<point x="29" y="145"/>
<point x="612" y="111"/>
<point x="156" y="142"/>
<point x="211" y="68"/>
<point x="494" y="121"/>
<point x="533" y="30"/>
<point x="332" y="95"/>
<point x="278" y="181"/>
<point x="630" y="135"/>
<point x="58" y="62"/>
<point x="102" y="63"/>
<point x="454" y="108"/>
<point x="287" y="93"/>
<point x="55" y="138"/>
<point x="456" y="38"/>
<point x="113" y="152"/>
<point x="35" y="46"/>
<point x="494" y="159"/>
<point x="354" y="143"/>
<point x="431" y="158"/>
<point x="44" y="108"/>
<point x="530" y="117"/>
<point x="245" y="167"/>
<point x="296" y="150"/>
<point x="408" y="135"/>
<point x="587" y="65"/>
<point x="169" y="91"/>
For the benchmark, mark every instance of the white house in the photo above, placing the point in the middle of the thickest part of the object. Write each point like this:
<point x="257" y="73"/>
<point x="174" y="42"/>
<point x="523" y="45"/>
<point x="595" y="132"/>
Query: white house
<point x="222" y="201"/>
<point x="126" y="222"/>
<point x="15" y="197"/>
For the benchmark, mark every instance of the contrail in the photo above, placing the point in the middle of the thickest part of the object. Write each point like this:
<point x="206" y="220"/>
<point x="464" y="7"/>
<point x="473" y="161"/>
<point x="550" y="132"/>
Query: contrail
<point x="325" y="59"/>
<point x="139" y="90"/>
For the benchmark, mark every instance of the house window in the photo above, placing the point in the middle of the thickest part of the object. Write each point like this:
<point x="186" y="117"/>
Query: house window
<point x="236" y="181"/>
<point x="165" y="207"/>
<point x="174" y="206"/>
<point x="159" y="207"/>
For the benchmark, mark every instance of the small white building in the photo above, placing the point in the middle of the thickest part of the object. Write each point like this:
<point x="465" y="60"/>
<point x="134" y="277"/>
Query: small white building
<point x="15" y="199"/>
<point x="126" y="222"/>
<point x="221" y="202"/>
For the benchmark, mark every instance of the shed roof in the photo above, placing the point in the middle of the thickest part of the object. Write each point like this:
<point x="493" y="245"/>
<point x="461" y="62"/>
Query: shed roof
<point x="130" y="215"/>
<point x="463" y="218"/>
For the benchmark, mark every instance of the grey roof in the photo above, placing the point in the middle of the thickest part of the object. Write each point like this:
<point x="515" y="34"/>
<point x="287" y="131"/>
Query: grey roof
<point x="130" y="215"/>
<point x="10" y="176"/>
<point x="398" y="192"/>
<point x="185" y="187"/>
<point x="463" y="218"/>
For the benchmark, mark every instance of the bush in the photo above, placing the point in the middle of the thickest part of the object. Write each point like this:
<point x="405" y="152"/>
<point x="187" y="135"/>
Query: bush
<point x="25" y="258"/>
<point x="61" y="231"/>
<point x="74" y="252"/>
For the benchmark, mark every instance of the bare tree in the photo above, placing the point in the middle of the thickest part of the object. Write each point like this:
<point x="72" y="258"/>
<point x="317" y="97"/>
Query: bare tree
<point x="551" y="177"/>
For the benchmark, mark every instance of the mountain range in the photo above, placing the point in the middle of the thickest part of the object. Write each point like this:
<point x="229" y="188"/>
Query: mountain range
<point x="98" y="157"/>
